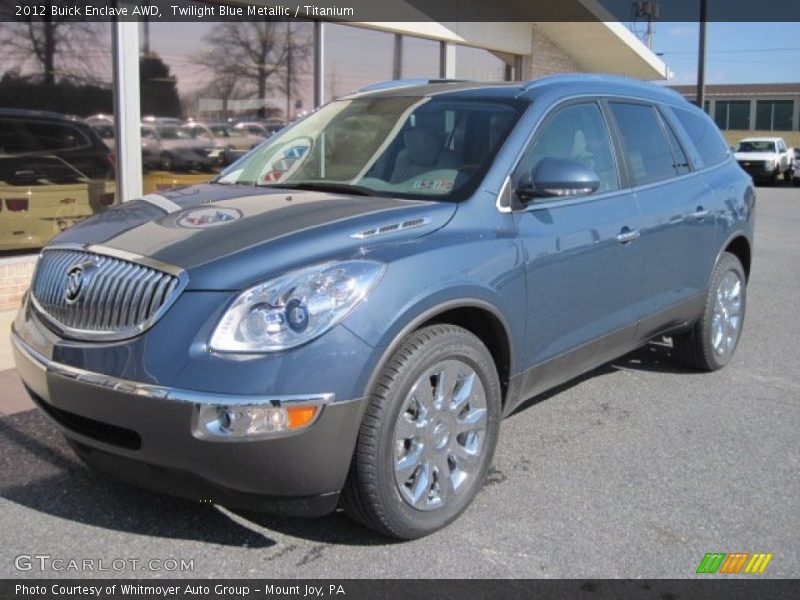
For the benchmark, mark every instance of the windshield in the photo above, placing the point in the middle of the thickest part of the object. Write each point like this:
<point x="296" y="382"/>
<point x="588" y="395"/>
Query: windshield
<point x="220" y="130"/>
<point x="756" y="147"/>
<point x="418" y="147"/>
<point x="104" y="131"/>
<point x="170" y="132"/>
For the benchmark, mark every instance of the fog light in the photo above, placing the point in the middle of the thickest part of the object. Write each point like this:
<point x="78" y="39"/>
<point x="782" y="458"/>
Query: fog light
<point x="254" y="421"/>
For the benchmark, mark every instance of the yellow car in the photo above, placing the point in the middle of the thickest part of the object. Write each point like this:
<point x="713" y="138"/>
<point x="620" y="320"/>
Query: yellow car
<point x="54" y="171"/>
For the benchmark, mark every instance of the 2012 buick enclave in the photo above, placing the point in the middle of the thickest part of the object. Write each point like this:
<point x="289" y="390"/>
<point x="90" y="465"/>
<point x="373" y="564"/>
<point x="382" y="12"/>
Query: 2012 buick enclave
<point x="344" y="315"/>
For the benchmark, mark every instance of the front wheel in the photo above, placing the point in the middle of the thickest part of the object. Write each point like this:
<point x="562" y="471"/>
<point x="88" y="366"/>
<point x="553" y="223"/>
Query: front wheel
<point x="713" y="339"/>
<point x="428" y="435"/>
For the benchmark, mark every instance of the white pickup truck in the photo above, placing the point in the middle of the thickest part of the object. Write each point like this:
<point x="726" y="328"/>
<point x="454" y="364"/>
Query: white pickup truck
<point x="765" y="158"/>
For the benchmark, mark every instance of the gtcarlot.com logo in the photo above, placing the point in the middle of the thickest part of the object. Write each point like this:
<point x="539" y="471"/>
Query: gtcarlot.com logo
<point x="733" y="563"/>
<point x="47" y="562"/>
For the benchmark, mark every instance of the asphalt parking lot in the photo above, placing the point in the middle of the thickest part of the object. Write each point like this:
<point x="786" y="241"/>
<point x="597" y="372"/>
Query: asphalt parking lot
<point x="635" y="470"/>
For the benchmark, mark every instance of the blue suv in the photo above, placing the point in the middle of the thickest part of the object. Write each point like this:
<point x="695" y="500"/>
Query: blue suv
<point x="345" y="314"/>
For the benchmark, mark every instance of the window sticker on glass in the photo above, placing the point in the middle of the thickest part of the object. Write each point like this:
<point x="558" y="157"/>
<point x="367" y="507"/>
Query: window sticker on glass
<point x="286" y="160"/>
<point x="444" y="185"/>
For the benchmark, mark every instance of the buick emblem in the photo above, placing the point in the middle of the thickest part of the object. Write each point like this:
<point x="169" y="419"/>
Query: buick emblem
<point x="75" y="279"/>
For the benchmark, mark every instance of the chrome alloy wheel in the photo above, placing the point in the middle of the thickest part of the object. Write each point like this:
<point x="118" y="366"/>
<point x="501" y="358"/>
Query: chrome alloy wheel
<point x="726" y="320"/>
<point x="439" y="435"/>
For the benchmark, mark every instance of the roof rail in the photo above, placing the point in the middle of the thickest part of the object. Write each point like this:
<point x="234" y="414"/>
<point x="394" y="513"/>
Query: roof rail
<point x="399" y="83"/>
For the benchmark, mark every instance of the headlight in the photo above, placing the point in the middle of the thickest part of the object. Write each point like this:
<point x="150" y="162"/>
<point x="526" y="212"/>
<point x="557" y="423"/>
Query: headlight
<point x="294" y="308"/>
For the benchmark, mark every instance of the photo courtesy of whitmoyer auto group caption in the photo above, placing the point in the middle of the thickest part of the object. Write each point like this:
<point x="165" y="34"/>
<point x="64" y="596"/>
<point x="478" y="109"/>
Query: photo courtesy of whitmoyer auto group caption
<point x="399" y="299"/>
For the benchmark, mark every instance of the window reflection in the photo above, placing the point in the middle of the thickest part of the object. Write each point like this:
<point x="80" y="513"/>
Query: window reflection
<point x="420" y="58"/>
<point x="478" y="64"/>
<point x="355" y="57"/>
<point x="212" y="91"/>
<point x="56" y="167"/>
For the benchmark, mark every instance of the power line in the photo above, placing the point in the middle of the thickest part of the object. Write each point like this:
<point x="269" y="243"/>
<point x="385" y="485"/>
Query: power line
<point x="734" y="51"/>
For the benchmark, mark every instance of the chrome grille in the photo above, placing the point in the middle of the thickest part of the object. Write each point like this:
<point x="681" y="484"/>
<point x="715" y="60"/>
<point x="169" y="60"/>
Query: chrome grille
<point x="115" y="298"/>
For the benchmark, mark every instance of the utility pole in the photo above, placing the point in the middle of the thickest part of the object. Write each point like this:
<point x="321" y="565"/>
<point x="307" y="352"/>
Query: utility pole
<point x="650" y="10"/>
<point x="701" y="57"/>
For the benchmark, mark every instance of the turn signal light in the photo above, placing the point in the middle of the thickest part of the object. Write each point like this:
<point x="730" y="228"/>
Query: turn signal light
<point x="300" y="416"/>
<point x="17" y="204"/>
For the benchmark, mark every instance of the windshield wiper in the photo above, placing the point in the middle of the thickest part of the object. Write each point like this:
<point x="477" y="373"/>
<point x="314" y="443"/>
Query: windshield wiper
<point x="325" y="186"/>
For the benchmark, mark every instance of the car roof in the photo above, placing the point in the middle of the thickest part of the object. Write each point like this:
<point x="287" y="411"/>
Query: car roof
<point x="40" y="114"/>
<point x="559" y="85"/>
<point x="760" y="139"/>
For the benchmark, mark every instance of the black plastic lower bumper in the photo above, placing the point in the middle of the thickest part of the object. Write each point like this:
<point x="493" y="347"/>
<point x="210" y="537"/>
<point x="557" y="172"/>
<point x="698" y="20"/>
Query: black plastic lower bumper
<point x="187" y="485"/>
<point x="152" y="442"/>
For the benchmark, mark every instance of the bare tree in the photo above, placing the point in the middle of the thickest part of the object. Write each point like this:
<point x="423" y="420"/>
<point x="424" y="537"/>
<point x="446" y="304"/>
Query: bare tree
<point x="258" y="55"/>
<point x="54" y="46"/>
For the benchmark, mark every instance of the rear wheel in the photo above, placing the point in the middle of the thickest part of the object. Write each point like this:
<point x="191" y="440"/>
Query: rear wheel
<point x="713" y="339"/>
<point x="428" y="435"/>
<point x="167" y="163"/>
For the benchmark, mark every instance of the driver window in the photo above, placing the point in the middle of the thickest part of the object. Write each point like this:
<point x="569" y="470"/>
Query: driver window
<point x="577" y="132"/>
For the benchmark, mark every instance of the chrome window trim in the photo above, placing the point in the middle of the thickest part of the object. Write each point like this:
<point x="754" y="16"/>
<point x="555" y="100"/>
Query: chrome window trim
<point x="505" y="188"/>
<point x="122" y="334"/>
<point x="159" y="392"/>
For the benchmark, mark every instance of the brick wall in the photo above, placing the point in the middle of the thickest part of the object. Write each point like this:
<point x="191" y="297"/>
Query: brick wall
<point x="546" y="58"/>
<point x="15" y="277"/>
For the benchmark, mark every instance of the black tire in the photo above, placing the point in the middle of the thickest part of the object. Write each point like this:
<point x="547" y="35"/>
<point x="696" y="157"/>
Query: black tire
<point x="796" y="182"/>
<point x="166" y="162"/>
<point x="695" y="348"/>
<point x="371" y="495"/>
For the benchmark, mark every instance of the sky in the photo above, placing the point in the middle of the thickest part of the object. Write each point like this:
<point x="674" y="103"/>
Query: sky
<point x="735" y="52"/>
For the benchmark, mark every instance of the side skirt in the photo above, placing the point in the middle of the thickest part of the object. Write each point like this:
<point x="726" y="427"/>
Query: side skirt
<point x="564" y="367"/>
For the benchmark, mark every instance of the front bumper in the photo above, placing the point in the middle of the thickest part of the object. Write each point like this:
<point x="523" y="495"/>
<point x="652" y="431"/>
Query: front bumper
<point x="758" y="169"/>
<point x="147" y="435"/>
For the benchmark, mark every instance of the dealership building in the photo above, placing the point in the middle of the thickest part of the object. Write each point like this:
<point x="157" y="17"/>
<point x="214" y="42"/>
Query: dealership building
<point x="750" y="106"/>
<point x="126" y="78"/>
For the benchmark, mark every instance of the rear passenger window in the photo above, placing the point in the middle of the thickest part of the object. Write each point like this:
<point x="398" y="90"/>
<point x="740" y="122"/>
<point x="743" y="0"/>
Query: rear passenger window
<point x="11" y="140"/>
<point x="54" y="136"/>
<point x="648" y="151"/>
<point x="704" y="135"/>
<point x="577" y="133"/>
<point x="681" y="162"/>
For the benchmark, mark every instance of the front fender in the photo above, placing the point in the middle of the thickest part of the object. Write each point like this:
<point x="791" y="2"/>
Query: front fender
<point x="417" y="288"/>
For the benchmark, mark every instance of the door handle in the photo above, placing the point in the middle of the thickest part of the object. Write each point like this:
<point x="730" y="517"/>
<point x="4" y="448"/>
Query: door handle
<point x="700" y="214"/>
<point x="627" y="235"/>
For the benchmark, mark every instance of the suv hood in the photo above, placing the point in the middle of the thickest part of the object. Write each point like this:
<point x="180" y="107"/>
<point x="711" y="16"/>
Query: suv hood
<point x="228" y="237"/>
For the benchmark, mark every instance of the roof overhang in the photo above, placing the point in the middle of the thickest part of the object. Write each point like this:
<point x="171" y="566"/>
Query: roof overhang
<point x="592" y="37"/>
<point x="607" y="47"/>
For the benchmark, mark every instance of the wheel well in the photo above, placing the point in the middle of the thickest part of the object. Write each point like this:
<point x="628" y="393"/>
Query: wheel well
<point x="740" y="248"/>
<point x="486" y="327"/>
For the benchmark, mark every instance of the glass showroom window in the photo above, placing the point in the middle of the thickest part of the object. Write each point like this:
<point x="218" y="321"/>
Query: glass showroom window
<point x="55" y="168"/>
<point x="479" y="64"/>
<point x="420" y="58"/>
<point x="355" y="57"/>
<point x="732" y="114"/>
<point x="212" y="91"/>
<point x="774" y="115"/>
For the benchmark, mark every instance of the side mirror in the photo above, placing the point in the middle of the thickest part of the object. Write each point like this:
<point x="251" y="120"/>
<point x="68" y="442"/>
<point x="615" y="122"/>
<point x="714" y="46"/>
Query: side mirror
<point x="557" y="178"/>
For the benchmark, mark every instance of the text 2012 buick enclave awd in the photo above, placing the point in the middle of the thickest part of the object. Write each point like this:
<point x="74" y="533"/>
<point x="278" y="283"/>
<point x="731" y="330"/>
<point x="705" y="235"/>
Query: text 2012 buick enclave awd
<point x="345" y="314"/>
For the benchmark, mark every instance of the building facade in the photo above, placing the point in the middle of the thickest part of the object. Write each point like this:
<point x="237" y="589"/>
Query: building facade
<point x="750" y="107"/>
<point x="173" y="102"/>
